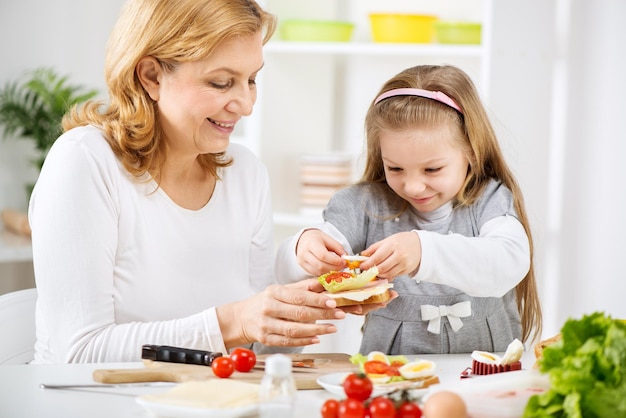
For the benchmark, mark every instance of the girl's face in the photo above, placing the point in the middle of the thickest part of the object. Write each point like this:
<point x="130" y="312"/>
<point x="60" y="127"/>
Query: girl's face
<point x="425" y="167"/>
<point x="200" y="102"/>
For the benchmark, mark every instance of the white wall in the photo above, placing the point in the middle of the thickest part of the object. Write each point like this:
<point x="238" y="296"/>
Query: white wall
<point x="69" y="35"/>
<point x="571" y="173"/>
<point x="588" y="239"/>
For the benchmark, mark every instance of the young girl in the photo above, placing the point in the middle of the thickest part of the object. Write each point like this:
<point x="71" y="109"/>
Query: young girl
<point x="440" y="213"/>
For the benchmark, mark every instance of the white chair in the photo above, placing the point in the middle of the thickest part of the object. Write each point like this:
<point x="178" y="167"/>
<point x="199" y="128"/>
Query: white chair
<point x="17" y="326"/>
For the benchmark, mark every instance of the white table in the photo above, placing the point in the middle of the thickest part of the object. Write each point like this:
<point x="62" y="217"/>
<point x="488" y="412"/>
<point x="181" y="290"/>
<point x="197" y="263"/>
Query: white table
<point x="21" y="396"/>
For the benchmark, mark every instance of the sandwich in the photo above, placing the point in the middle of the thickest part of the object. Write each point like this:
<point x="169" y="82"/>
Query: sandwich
<point x="541" y="345"/>
<point x="353" y="287"/>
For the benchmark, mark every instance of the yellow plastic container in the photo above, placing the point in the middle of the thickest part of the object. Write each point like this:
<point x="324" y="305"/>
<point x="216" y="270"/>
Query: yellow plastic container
<point x="449" y="32"/>
<point x="316" y="30"/>
<point x="402" y="28"/>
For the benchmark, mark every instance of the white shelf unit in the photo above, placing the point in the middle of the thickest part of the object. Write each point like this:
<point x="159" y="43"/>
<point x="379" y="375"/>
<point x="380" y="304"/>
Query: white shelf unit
<point x="313" y="96"/>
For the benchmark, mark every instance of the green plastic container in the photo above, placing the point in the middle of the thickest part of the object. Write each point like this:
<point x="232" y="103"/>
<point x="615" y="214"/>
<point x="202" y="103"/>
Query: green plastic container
<point x="449" y="32"/>
<point x="316" y="30"/>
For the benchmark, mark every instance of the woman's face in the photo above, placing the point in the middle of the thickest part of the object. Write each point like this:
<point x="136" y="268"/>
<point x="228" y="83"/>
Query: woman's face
<point x="425" y="167"/>
<point x="200" y="102"/>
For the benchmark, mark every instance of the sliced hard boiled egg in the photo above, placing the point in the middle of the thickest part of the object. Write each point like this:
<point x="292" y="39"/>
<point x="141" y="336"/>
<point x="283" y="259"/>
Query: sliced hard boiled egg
<point x="354" y="257"/>
<point x="378" y="355"/>
<point x="513" y="352"/>
<point x="354" y="261"/>
<point x="486" y="357"/>
<point x="418" y="369"/>
<point x="378" y="379"/>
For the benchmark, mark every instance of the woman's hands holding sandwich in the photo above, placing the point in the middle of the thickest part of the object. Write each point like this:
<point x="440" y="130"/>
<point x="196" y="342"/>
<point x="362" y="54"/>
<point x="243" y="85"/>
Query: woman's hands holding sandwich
<point x="281" y="315"/>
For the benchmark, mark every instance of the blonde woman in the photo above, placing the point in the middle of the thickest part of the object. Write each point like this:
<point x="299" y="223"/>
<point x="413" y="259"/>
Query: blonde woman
<point x="439" y="212"/>
<point x="148" y="225"/>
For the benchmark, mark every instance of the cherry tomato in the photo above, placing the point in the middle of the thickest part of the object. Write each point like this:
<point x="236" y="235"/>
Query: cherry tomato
<point x="376" y="367"/>
<point x="358" y="386"/>
<point x="382" y="407"/>
<point x="351" y="408"/>
<point x="338" y="276"/>
<point x="330" y="409"/>
<point x="243" y="358"/>
<point x="223" y="367"/>
<point x="409" y="410"/>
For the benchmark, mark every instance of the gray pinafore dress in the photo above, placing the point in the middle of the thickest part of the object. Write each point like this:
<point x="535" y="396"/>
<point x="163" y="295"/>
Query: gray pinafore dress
<point x="427" y="318"/>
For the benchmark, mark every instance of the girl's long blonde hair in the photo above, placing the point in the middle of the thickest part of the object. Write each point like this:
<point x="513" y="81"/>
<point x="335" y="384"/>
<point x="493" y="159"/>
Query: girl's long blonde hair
<point x="173" y="32"/>
<point x="476" y="138"/>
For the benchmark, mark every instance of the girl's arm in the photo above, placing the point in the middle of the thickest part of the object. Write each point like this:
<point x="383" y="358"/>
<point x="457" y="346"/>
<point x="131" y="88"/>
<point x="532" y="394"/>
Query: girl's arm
<point x="485" y="266"/>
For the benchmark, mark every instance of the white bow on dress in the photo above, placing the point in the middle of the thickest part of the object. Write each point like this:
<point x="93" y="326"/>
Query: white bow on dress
<point x="454" y="313"/>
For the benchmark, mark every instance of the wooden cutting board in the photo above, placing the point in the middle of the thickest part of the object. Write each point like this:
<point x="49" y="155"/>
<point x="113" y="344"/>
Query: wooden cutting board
<point x="157" y="371"/>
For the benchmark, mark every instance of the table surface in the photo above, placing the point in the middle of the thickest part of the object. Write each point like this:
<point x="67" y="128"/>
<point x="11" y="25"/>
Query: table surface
<point x="21" y="395"/>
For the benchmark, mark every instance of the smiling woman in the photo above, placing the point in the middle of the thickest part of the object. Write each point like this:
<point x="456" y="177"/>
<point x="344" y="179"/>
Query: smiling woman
<point x="147" y="201"/>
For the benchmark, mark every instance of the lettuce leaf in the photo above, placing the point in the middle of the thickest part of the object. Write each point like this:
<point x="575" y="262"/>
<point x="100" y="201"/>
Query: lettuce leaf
<point x="349" y="284"/>
<point x="587" y="369"/>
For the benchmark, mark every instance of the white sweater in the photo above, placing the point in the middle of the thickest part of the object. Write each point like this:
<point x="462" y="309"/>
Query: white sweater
<point x="118" y="264"/>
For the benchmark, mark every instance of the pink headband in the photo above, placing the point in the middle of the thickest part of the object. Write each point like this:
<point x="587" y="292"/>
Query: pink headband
<point x="435" y="95"/>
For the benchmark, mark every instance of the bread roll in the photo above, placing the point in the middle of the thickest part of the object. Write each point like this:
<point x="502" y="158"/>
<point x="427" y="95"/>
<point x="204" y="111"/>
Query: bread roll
<point x="376" y="294"/>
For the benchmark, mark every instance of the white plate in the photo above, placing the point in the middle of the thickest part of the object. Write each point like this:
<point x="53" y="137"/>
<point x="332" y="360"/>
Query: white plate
<point x="334" y="384"/>
<point x="168" y="410"/>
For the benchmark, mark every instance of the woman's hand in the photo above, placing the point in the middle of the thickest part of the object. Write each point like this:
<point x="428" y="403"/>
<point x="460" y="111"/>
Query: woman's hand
<point x="396" y="255"/>
<point x="280" y="316"/>
<point x="318" y="253"/>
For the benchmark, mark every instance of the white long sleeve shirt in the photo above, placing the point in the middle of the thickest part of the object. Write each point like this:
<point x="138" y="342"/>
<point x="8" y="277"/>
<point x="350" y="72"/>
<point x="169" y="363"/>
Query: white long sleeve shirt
<point x="118" y="264"/>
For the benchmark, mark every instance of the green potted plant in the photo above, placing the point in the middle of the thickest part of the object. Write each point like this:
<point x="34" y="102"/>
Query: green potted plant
<point x="33" y="109"/>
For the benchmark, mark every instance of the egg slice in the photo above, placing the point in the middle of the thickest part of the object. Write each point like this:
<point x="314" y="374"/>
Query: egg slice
<point x="378" y="356"/>
<point x="378" y="379"/>
<point x="513" y="352"/>
<point x="485" y="357"/>
<point x="418" y="369"/>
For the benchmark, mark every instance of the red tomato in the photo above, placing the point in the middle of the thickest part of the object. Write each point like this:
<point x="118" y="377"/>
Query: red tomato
<point x="223" y="367"/>
<point x="382" y="407"/>
<point x="338" y="276"/>
<point x="351" y="408"/>
<point x="375" y="367"/>
<point x="409" y="410"/>
<point x="330" y="409"/>
<point x="358" y="386"/>
<point x="244" y="359"/>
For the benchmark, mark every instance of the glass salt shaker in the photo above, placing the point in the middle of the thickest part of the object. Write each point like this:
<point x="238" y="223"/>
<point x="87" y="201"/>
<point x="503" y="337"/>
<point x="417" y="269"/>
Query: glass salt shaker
<point x="277" y="393"/>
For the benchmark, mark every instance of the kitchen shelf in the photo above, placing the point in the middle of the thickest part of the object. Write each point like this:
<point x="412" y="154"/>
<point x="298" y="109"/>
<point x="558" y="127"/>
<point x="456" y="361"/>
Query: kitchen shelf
<point x="318" y="92"/>
<point x="373" y="49"/>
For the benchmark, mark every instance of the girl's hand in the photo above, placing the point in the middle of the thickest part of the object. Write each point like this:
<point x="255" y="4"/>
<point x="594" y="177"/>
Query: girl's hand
<point x="318" y="253"/>
<point x="396" y="255"/>
<point x="280" y="316"/>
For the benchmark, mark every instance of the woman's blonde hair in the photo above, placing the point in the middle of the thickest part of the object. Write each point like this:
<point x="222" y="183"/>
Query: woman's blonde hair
<point x="476" y="138"/>
<point x="173" y="32"/>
